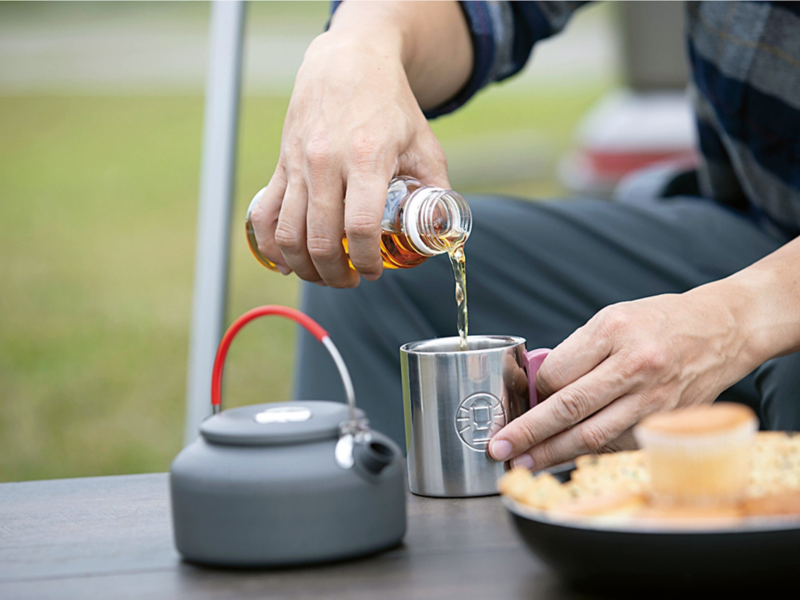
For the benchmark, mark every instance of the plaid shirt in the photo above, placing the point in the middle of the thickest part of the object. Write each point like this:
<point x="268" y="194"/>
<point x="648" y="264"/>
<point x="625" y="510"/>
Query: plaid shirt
<point x="745" y="60"/>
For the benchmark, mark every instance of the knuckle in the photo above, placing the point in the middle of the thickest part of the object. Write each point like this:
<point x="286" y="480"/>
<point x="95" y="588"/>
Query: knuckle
<point x="571" y="406"/>
<point x="288" y="238"/>
<point x="319" y="154"/>
<point x="658" y="358"/>
<point x="544" y="456"/>
<point x="629" y="369"/>
<point x="523" y="442"/>
<point x="362" y="227"/>
<point x="612" y="320"/>
<point x="649" y="358"/>
<point x="549" y="377"/>
<point x="324" y="250"/>
<point x="593" y="437"/>
<point x="543" y="387"/>
<point x="258" y="216"/>
<point x="291" y="153"/>
<point x="294" y="171"/>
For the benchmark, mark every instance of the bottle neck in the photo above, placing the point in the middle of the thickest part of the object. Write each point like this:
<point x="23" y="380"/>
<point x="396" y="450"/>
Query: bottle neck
<point x="436" y="220"/>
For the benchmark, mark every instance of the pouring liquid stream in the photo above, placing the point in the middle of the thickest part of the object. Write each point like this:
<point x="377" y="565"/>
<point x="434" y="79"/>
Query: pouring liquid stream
<point x="398" y="253"/>
<point x="459" y="265"/>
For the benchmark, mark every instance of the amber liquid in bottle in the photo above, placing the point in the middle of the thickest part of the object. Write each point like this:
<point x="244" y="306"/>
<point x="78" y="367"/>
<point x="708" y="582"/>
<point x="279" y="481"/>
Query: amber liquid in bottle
<point x="396" y="251"/>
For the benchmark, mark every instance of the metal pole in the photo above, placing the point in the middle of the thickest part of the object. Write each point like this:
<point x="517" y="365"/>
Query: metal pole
<point x="216" y="200"/>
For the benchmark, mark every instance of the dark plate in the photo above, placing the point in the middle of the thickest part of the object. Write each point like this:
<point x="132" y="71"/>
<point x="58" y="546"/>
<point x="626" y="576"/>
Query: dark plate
<point x="616" y="556"/>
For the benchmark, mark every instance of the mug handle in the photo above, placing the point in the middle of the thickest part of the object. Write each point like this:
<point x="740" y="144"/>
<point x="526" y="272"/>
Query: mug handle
<point x="535" y="359"/>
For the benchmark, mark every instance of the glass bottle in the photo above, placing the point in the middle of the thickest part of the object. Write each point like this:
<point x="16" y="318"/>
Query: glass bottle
<point x="418" y="222"/>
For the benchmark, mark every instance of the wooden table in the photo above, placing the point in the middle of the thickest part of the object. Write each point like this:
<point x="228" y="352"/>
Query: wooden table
<point x="111" y="537"/>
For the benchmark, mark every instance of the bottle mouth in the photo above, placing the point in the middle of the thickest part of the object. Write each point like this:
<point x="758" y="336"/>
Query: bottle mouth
<point x="437" y="220"/>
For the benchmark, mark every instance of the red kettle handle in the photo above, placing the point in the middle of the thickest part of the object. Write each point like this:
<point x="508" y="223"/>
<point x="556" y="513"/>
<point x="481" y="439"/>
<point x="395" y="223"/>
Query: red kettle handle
<point x="310" y="324"/>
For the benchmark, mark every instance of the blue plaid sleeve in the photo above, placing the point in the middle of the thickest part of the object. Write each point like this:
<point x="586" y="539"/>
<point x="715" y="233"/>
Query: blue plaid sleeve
<point x="503" y="35"/>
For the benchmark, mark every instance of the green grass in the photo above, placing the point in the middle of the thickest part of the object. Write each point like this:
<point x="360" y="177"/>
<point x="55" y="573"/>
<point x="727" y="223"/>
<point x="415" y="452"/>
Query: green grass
<point x="283" y="17"/>
<point x="97" y="221"/>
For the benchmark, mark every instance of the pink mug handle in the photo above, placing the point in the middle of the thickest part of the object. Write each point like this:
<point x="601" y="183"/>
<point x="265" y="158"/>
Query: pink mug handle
<point x="535" y="359"/>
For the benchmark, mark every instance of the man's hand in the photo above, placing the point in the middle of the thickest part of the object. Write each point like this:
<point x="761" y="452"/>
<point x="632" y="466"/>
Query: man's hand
<point x="353" y="123"/>
<point x="629" y="360"/>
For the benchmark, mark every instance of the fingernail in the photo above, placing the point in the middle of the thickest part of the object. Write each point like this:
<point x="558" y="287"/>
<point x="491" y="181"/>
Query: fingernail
<point x="523" y="460"/>
<point x="283" y="270"/>
<point x="500" y="450"/>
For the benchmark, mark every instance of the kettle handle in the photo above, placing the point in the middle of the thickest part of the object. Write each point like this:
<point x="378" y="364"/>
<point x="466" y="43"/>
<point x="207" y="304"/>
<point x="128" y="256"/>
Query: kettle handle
<point x="310" y="324"/>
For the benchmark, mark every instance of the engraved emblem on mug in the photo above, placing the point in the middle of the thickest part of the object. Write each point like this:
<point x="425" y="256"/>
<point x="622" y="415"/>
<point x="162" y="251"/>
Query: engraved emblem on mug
<point x="478" y="418"/>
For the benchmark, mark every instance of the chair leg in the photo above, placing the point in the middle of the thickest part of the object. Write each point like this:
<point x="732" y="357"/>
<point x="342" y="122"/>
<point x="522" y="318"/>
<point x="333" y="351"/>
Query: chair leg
<point x="214" y="211"/>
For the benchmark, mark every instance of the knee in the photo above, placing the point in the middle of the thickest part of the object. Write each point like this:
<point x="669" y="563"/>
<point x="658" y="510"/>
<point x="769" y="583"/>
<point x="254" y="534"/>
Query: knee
<point x="347" y="310"/>
<point x="327" y="305"/>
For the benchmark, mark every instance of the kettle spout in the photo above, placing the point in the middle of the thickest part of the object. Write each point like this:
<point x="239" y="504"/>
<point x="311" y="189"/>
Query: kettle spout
<point x="373" y="457"/>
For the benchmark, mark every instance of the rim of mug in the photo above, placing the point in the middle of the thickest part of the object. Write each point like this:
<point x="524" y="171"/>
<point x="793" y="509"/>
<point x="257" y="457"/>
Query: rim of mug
<point x="502" y="342"/>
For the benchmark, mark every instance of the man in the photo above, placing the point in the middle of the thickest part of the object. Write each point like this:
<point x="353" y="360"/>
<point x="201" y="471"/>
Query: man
<point x="650" y="306"/>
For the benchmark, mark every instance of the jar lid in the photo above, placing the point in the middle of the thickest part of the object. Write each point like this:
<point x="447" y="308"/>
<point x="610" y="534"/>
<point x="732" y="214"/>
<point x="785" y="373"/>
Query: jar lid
<point x="278" y="423"/>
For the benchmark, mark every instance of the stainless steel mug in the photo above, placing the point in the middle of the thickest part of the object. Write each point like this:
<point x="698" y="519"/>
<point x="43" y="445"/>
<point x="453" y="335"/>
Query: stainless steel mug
<point x="455" y="401"/>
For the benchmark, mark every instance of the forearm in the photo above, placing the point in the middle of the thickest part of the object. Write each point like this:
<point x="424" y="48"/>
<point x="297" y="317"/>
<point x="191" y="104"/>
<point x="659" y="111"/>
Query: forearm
<point x="431" y="39"/>
<point x="764" y="300"/>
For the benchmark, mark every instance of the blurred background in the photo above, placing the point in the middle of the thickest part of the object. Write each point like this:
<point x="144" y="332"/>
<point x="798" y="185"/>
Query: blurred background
<point x="101" y="112"/>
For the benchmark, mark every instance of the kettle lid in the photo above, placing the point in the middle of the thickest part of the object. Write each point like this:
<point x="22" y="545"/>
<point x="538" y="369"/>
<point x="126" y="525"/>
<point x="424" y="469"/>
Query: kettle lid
<point x="277" y="423"/>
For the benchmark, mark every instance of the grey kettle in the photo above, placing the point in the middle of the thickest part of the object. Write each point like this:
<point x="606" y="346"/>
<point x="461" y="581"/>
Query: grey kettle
<point x="286" y="483"/>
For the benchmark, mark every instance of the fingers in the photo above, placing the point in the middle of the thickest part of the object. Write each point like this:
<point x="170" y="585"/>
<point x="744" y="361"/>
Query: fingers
<point x="363" y="210"/>
<point x="577" y="355"/>
<point x="610" y="428"/>
<point x="310" y="228"/>
<point x="263" y="214"/>
<point x="290" y="233"/>
<point x="301" y="227"/>
<point x="567" y="407"/>
<point x="325" y="221"/>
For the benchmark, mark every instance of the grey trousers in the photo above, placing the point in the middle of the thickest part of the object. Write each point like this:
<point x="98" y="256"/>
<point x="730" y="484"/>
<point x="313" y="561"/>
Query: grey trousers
<point x="538" y="270"/>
